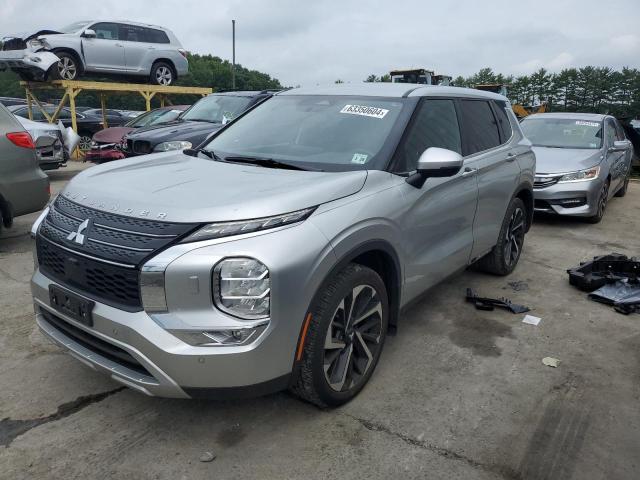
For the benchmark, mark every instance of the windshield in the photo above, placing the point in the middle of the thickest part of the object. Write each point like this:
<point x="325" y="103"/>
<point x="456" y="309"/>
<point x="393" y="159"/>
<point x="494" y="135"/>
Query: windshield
<point x="217" y="108"/>
<point x="74" y="27"/>
<point x="563" y="132"/>
<point x="325" y="132"/>
<point x="153" y="118"/>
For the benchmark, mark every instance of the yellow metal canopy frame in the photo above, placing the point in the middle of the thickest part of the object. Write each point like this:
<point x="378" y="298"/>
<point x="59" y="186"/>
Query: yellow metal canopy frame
<point x="73" y="87"/>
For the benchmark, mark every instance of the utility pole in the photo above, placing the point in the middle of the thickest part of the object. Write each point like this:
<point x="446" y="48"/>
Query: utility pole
<point x="233" y="65"/>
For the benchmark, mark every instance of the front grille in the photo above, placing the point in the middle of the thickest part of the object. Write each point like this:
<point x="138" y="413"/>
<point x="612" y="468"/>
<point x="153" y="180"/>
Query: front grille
<point x="14" y="44"/>
<point x="138" y="147"/>
<point x="105" y="266"/>
<point x="95" y="344"/>
<point x="545" y="181"/>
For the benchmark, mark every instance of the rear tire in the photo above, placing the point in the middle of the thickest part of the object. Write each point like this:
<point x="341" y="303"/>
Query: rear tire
<point x="162" y="74"/>
<point x="344" y="338"/>
<point x="622" y="191"/>
<point x="503" y="258"/>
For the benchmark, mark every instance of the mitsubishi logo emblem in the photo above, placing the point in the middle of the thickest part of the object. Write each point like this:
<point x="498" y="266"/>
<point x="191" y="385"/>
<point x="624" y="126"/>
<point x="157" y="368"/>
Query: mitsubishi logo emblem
<point x="78" y="236"/>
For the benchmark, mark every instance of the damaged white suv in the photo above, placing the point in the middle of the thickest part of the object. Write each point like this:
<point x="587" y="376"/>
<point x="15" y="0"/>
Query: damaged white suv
<point x="96" y="47"/>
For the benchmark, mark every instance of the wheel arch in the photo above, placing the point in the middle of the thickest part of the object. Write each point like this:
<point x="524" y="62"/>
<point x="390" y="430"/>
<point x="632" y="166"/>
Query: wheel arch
<point x="381" y="257"/>
<point x="169" y="62"/>
<point x="525" y="193"/>
<point x="79" y="58"/>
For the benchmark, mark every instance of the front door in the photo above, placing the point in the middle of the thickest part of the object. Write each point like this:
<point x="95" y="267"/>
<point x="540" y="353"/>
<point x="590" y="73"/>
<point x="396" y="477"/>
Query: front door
<point x="438" y="219"/>
<point x="105" y="51"/>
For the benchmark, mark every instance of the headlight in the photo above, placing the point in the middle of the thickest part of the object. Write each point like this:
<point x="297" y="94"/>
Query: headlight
<point x="242" y="288"/>
<point x="226" y="229"/>
<point x="175" y="145"/>
<point x="35" y="43"/>
<point x="580" y="176"/>
<point x="94" y="144"/>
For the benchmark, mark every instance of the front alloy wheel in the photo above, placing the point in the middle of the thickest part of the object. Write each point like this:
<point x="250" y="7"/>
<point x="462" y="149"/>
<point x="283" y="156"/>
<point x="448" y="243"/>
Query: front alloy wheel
<point x="67" y="68"/>
<point x="343" y="338"/>
<point x="353" y="338"/>
<point x="85" y="143"/>
<point x="602" y="204"/>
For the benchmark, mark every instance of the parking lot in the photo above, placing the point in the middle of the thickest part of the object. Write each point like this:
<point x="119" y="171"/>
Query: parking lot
<point x="459" y="393"/>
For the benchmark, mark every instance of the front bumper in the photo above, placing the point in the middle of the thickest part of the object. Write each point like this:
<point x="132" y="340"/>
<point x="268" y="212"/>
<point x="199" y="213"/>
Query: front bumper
<point x="574" y="198"/>
<point x="37" y="63"/>
<point x="173" y="368"/>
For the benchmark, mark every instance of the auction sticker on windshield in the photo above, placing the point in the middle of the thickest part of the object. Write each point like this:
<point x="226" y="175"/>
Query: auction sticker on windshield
<point x="365" y="111"/>
<point x="587" y="124"/>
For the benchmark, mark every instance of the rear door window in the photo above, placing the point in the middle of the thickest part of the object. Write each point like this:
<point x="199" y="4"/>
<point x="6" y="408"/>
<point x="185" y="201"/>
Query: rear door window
<point x="434" y="124"/>
<point x="131" y="33"/>
<point x="479" y="126"/>
<point x="503" y="120"/>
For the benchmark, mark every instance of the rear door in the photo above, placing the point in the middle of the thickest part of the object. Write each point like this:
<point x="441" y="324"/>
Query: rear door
<point x="136" y="46"/>
<point x="485" y="137"/>
<point x="439" y="216"/>
<point x="105" y="51"/>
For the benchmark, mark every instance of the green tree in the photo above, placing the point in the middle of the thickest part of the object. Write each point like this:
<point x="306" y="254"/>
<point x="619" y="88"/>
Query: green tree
<point x="372" y="78"/>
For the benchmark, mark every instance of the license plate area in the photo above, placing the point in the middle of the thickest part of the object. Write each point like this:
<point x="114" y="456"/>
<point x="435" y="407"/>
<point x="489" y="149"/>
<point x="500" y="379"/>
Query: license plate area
<point x="72" y="305"/>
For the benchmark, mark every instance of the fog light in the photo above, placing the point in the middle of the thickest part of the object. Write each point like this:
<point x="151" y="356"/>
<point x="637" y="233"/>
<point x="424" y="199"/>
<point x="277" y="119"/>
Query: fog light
<point x="220" y="338"/>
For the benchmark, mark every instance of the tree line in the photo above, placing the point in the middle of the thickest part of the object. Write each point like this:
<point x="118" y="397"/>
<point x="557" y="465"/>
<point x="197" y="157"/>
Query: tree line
<point x="204" y="71"/>
<point x="586" y="89"/>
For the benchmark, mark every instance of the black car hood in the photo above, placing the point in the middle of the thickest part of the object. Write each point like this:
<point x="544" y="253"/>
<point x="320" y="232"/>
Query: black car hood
<point x="194" y="132"/>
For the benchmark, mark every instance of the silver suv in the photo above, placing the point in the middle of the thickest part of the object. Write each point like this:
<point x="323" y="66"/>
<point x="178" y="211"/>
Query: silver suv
<point x="99" y="48"/>
<point x="281" y="253"/>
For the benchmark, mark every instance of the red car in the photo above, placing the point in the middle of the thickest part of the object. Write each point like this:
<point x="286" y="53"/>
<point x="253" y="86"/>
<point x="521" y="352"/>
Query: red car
<point x="105" y="145"/>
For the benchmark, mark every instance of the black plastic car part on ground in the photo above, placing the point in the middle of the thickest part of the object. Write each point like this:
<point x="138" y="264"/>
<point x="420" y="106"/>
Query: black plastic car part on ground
<point x="610" y="279"/>
<point x="194" y="126"/>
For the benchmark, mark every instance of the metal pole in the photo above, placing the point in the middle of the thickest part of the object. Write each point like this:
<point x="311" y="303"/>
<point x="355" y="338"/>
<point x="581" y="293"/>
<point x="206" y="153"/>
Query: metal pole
<point x="233" y="65"/>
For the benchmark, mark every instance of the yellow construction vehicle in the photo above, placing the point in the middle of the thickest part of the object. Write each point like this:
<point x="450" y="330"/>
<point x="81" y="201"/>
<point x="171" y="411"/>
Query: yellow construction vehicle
<point x="521" y="111"/>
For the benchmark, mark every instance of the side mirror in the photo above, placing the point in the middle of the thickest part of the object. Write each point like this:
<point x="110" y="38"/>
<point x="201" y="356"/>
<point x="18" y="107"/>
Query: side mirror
<point x="619" y="146"/>
<point x="88" y="33"/>
<point x="435" y="162"/>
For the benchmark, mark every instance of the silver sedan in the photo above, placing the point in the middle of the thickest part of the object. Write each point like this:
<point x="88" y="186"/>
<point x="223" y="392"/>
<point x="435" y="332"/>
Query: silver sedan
<point x="582" y="160"/>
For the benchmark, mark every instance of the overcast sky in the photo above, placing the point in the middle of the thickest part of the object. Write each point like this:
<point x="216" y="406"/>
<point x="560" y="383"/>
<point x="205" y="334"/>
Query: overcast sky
<point x="306" y="43"/>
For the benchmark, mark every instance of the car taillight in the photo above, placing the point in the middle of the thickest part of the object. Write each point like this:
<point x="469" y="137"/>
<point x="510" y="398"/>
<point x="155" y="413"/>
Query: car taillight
<point x="21" y="139"/>
<point x="183" y="52"/>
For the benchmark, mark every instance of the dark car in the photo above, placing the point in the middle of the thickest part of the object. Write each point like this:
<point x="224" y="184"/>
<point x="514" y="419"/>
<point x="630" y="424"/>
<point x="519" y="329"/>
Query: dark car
<point x="106" y="143"/>
<point x="114" y="117"/>
<point x="87" y="124"/>
<point x="8" y="101"/>
<point x="195" y="125"/>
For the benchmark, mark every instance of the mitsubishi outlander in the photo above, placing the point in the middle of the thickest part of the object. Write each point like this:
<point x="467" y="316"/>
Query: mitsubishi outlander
<point x="280" y="253"/>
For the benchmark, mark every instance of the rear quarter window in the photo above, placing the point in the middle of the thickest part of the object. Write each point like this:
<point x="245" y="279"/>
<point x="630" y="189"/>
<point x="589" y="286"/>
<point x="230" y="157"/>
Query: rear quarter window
<point x="479" y="126"/>
<point x="151" y="35"/>
<point x="503" y="120"/>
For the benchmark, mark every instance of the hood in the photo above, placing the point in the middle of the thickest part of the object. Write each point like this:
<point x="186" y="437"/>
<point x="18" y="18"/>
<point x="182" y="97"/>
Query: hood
<point x="175" y="187"/>
<point x="195" y="132"/>
<point x="28" y="35"/>
<point x="111" y="134"/>
<point x="562" y="160"/>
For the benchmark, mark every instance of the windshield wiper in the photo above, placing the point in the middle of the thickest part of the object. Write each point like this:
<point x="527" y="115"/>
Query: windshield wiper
<point x="267" y="163"/>
<point x="200" y="120"/>
<point x="193" y="152"/>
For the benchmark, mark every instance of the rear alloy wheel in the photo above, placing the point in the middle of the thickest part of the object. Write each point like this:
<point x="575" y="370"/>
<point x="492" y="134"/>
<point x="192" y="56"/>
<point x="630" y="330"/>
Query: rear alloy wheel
<point x="602" y="204"/>
<point x="503" y="258"/>
<point x="345" y="337"/>
<point x="162" y="74"/>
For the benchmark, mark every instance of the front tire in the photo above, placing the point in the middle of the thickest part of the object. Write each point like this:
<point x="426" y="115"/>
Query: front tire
<point x="344" y="338"/>
<point x="503" y="258"/>
<point x="68" y="68"/>
<point x="603" y="198"/>
<point x="622" y="191"/>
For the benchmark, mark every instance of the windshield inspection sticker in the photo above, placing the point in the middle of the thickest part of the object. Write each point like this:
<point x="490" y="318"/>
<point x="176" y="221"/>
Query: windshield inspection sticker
<point x="359" y="158"/>
<point x="587" y="124"/>
<point x="365" y="111"/>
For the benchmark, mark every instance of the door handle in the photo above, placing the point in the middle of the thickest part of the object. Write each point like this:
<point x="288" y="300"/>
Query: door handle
<point x="118" y="45"/>
<point x="469" y="171"/>
<point x="511" y="157"/>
